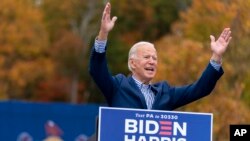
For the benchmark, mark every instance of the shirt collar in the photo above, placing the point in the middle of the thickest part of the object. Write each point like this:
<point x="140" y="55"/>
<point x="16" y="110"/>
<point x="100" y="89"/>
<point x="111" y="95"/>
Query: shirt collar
<point x="139" y="83"/>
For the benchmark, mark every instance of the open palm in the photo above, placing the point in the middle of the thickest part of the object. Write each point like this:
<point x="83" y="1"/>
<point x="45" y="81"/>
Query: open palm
<point x="107" y="23"/>
<point x="219" y="47"/>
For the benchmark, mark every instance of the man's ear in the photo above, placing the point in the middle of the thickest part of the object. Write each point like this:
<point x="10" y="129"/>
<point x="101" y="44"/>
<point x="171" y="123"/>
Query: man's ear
<point x="132" y="63"/>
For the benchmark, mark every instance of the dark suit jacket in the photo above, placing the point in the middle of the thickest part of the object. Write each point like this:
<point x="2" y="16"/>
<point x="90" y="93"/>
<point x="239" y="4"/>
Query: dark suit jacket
<point x="122" y="91"/>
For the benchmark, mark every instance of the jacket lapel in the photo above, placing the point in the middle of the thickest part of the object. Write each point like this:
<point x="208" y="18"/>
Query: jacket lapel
<point x="137" y="91"/>
<point x="157" y="93"/>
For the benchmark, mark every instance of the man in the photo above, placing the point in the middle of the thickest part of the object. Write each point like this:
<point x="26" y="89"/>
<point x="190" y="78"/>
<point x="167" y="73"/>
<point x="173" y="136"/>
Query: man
<point x="136" y="91"/>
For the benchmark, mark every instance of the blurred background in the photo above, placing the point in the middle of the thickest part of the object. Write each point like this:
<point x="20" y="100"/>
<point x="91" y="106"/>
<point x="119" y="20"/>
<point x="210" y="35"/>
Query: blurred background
<point x="45" y="47"/>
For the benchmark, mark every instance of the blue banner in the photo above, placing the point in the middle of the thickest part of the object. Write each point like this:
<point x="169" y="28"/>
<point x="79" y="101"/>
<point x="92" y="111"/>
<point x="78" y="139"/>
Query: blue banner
<point x="118" y="124"/>
<point x="33" y="121"/>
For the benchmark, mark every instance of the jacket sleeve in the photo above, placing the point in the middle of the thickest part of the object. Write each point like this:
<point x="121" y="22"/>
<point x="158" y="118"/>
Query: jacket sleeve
<point x="202" y="87"/>
<point x="99" y="72"/>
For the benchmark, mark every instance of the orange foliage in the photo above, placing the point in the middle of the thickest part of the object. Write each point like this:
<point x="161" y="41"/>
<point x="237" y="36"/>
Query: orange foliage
<point x="180" y="61"/>
<point x="23" y="44"/>
<point x="206" y="17"/>
<point x="23" y="73"/>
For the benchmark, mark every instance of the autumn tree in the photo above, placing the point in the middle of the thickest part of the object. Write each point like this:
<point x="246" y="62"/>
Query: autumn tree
<point x="240" y="53"/>
<point x="23" y="44"/>
<point x="222" y="14"/>
<point x="72" y="24"/>
<point x="202" y="19"/>
<point x="226" y="14"/>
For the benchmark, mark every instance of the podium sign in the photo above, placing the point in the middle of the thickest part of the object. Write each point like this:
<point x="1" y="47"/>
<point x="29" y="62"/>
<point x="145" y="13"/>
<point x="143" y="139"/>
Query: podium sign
<point x="120" y="124"/>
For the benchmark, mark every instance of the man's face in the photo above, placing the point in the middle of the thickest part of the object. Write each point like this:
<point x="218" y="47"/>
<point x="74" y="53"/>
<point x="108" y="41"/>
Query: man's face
<point x="144" y="64"/>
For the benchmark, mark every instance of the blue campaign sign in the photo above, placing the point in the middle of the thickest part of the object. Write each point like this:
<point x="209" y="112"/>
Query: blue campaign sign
<point x="120" y="124"/>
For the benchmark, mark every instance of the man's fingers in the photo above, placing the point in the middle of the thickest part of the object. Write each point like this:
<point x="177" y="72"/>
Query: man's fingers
<point x="108" y="8"/>
<point x="229" y="39"/>
<point x="103" y="15"/>
<point x="114" y="19"/>
<point x="212" y="38"/>
<point x="228" y="36"/>
<point x="224" y="33"/>
<point x="106" y="11"/>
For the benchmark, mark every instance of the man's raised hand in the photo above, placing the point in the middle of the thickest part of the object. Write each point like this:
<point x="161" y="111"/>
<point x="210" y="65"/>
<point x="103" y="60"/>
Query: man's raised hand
<point x="107" y="23"/>
<point x="220" y="45"/>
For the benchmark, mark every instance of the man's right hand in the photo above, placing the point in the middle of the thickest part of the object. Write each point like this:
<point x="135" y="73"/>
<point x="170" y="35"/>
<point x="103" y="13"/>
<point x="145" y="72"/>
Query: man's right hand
<point x="107" y="23"/>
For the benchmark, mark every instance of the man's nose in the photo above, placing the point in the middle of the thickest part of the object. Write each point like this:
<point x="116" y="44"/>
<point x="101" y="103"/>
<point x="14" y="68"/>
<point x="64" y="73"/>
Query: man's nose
<point x="152" y="60"/>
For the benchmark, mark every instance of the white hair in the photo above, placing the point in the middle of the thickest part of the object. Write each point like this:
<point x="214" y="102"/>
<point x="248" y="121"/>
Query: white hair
<point x="133" y="50"/>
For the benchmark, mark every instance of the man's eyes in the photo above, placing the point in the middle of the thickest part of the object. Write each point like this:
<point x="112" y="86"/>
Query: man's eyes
<point x="148" y="57"/>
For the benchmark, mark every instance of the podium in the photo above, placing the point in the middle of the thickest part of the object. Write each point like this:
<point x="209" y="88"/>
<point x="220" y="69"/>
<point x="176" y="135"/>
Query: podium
<point x="122" y="124"/>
